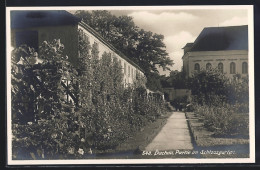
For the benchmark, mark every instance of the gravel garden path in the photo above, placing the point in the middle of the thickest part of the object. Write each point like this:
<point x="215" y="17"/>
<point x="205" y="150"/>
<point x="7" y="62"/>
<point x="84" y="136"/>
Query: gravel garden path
<point x="174" y="135"/>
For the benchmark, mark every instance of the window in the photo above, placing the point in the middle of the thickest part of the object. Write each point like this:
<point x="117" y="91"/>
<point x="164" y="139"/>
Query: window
<point x="114" y="55"/>
<point x="125" y="68"/>
<point x="129" y="71"/>
<point x="220" y="67"/>
<point x="244" y="68"/>
<point x="232" y="68"/>
<point x="137" y="74"/>
<point x="115" y="60"/>
<point x="208" y="66"/>
<point x="197" y="67"/>
<point x="85" y="38"/>
<point x="95" y="49"/>
<point x="30" y="38"/>
<point x="95" y="46"/>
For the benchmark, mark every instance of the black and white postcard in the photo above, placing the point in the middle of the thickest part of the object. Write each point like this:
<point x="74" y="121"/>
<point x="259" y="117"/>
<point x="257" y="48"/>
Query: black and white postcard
<point x="130" y="85"/>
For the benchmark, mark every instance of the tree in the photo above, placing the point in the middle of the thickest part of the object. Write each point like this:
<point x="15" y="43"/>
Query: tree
<point x="164" y="81"/>
<point x="36" y="87"/>
<point x="176" y="80"/>
<point x="207" y="84"/>
<point x="238" y="92"/>
<point x="143" y="47"/>
<point x="153" y="82"/>
<point x="151" y="51"/>
<point x="213" y="87"/>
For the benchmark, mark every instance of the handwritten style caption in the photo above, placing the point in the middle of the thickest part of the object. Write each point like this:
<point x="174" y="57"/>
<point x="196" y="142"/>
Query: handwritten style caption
<point x="188" y="152"/>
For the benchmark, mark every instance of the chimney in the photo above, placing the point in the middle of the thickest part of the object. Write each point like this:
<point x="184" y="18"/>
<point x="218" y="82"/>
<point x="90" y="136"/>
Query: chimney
<point x="187" y="47"/>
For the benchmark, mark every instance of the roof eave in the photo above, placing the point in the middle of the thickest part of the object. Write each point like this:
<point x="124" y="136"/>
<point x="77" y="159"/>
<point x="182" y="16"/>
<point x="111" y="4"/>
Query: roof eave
<point x="96" y="34"/>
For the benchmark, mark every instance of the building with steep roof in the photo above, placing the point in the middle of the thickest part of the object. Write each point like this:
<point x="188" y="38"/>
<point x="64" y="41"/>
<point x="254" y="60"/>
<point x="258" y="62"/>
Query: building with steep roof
<point x="32" y="27"/>
<point x="223" y="48"/>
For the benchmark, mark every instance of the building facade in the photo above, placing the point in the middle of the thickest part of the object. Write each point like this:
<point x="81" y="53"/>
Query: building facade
<point x="222" y="48"/>
<point x="34" y="27"/>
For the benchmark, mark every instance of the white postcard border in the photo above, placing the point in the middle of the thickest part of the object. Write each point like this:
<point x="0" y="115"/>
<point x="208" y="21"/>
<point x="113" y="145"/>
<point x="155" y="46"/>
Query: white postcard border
<point x="251" y="158"/>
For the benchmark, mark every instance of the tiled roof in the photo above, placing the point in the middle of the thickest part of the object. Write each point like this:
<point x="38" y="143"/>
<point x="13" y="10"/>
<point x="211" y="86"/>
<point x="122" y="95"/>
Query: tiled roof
<point x="33" y="18"/>
<point x="188" y="45"/>
<point x="222" y="38"/>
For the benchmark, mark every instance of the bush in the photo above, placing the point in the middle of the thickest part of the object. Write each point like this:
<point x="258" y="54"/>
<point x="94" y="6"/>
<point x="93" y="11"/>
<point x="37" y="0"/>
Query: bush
<point x="206" y="84"/>
<point x="211" y="87"/>
<point x="222" y="120"/>
<point x="180" y="103"/>
<point x="102" y="114"/>
<point x="222" y="103"/>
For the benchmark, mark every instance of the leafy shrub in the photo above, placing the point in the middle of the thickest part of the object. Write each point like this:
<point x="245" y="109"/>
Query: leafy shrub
<point x="102" y="114"/>
<point x="221" y="101"/>
<point x="211" y="87"/>
<point x="45" y="140"/>
<point x="222" y="120"/>
<point x="180" y="102"/>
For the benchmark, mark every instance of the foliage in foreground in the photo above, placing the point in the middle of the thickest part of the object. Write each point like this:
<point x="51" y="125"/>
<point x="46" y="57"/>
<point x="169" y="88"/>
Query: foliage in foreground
<point x="64" y="112"/>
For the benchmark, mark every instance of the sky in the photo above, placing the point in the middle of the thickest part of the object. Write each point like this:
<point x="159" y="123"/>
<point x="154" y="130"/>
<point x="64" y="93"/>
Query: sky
<point x="181" y="26"/>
